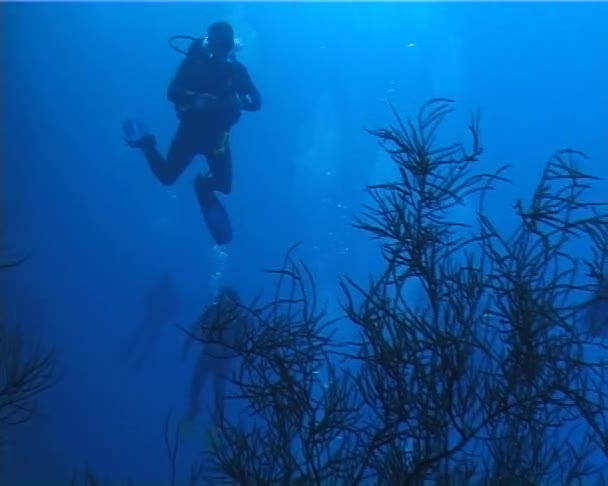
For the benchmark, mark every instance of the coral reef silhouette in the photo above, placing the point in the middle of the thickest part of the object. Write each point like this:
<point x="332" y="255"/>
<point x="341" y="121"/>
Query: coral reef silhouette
<point x="489" y="372"/>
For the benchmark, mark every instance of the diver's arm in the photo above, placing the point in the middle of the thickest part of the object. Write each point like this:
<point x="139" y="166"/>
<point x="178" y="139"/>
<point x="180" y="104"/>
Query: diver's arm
<point x="177" y="92"/>
<point x="251" y="100"/>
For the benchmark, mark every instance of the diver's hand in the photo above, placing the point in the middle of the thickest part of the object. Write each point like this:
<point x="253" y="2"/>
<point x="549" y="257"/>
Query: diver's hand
<point x="203" y="101"/>
<point x="244" y="101"/>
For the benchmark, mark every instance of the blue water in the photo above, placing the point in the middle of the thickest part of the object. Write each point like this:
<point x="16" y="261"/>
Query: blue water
<point x="103" y="234"/>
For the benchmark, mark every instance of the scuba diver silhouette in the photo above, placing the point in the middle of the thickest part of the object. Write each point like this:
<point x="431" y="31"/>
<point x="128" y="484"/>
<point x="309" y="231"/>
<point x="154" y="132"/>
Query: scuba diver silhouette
<point x="160" y="307"/>
<point x="210" y="90"/>
<point x="217" y="330"/>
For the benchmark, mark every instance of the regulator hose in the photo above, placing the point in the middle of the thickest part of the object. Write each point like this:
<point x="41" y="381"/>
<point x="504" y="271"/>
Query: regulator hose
<point x="181" y="37"/>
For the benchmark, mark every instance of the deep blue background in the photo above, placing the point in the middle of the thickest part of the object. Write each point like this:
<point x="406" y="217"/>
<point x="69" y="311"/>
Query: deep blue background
<point x="102" y="231"/>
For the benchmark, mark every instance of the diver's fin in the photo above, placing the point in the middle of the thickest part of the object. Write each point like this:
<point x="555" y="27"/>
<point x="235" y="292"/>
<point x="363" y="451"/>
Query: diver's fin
<point x="136" y="134"/>
<point x="215" y="215"/>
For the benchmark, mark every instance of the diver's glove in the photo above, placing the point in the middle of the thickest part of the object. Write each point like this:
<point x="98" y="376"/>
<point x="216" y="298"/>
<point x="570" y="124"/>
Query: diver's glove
<point x="245" y="102"/>
<point x="136" y="134"/>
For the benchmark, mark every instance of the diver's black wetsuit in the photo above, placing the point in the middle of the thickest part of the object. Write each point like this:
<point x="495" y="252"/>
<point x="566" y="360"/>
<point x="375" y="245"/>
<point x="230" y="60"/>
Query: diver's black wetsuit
<point x="205" y="129"/>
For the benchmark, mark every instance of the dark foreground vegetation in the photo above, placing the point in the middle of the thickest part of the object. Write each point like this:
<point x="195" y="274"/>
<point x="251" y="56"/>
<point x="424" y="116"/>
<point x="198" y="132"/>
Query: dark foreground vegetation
<point x="479" y="355"/>
<point x="27" y="369"/>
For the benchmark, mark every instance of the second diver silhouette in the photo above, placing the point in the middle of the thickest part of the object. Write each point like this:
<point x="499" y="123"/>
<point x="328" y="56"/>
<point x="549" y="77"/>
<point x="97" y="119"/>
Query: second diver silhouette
<point x="217" y="331"/>
<point x="160" y="307"/>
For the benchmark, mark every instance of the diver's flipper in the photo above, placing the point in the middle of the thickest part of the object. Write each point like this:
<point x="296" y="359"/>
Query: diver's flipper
<point x="215" y="215"/>
<point x="136" y="134"/>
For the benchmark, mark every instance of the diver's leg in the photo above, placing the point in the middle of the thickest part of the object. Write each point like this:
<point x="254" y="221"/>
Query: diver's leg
<point x="222" y="367"/>
<point x="199" y="377"/>
<point x="215" y="215"/>
<point x="219" y="390"/>
<point x="150" y="338"/>
<point x="219" y="158"/>
<point x="181" y="153"/>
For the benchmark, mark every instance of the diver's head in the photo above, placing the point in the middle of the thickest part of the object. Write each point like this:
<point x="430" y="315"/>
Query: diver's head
<point x="220" y="38"/>
<point x="228" y="296"/>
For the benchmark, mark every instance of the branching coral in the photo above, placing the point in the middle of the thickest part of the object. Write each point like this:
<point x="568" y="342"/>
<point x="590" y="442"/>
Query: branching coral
<point x="490" y="372"/>
<point x="489" y="375"/>
<point x="295" y="421"/>
<point x="25" y="372"/>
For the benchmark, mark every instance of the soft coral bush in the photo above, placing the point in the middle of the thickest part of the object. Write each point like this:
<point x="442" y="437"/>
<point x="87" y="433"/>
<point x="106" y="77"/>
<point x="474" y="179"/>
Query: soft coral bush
<point x="488" y="375"/>
<point x="26" y="370"/>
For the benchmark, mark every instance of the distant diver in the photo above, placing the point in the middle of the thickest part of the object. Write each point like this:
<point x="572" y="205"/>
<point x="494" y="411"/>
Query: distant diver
<point x="217" y="331"/>
<point x="160" y="308"/>
<point x="209" y="91"/>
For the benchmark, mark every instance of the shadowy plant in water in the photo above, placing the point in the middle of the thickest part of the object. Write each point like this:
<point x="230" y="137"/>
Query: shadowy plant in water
<point x="491" y="375"/>
<point x="487" y="373"/>
<point x="291" y="420"/>
<point x="26" y="371"/>
<point x="478" y="356"/>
